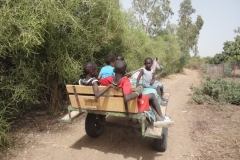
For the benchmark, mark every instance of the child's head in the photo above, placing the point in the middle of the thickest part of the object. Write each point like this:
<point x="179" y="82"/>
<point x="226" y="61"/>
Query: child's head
<point x="148" y="62"/>
<point x="120" y="58"/>
<point x="90" y="69"/>
<point x="110" y="59"/>
<point x="120" y="67"/>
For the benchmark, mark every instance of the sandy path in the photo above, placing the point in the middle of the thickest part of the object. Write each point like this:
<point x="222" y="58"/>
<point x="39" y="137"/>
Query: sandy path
<point x="69" y="141"/>
<point x="180" y="145"/>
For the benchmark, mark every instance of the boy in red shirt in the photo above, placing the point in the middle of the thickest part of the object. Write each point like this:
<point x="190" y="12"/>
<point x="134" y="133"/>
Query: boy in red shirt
<point x="120" y="81"/>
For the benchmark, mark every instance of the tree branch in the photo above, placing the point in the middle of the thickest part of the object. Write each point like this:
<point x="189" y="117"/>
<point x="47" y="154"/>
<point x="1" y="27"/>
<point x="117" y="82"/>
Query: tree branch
<point x="146" y="29"/>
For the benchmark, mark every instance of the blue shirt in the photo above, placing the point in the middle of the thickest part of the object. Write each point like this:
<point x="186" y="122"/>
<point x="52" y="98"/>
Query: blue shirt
<point x="107" y="71"/>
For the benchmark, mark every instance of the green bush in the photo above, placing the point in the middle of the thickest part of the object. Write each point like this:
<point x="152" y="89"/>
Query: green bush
<point x="43" y="46"/>
<point x="219" y="90"/>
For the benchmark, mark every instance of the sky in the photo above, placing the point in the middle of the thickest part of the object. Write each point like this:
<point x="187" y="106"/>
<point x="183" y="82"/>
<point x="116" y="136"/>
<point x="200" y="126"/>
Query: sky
<point x="220" y="18"/>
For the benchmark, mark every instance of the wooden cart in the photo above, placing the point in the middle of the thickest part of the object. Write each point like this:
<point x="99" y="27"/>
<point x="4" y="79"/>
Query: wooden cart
<point x="111" y="104"/>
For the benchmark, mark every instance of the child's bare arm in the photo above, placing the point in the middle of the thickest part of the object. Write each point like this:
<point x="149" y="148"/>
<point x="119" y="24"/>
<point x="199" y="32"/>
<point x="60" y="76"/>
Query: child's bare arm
<point x="153" y="79"/>
<point x="100" y="93"/>
<point x="128" y="97"/>
<point x="99" y="76"/>
<point x="139" y="77"/>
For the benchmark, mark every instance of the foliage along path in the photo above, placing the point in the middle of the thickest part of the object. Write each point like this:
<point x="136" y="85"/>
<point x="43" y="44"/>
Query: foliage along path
<point x="69" y="141"/>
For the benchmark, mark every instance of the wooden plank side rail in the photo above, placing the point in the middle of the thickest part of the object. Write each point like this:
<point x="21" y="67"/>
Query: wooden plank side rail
<point x="112" y="100"/>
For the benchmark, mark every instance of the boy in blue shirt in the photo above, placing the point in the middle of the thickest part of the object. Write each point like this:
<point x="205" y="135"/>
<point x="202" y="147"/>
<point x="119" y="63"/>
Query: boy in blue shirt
<point x="108" y="69"/>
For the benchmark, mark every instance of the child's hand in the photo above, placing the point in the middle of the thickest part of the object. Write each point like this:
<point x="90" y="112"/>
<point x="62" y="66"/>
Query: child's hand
<point x="112" y="86"/>
<point x="139" y="90"/>
<point x="151" y="83"/>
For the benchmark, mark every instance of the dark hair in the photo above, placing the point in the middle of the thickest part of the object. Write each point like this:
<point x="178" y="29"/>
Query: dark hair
<point x="110" y="58"/>
<point x="120" y="67"/>
<point x="88" y="67"/>
<point x="148" y="58"/>
<point x="121" y="58"/>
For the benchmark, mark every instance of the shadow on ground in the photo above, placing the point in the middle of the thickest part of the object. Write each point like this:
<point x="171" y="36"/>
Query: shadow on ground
<point x="121" y="139"/>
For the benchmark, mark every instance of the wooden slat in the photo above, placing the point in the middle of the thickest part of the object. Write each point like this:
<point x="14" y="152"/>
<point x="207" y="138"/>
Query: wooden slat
<point x="153" y="131"/>
<point x="114" y="104"/>
<point x="73" y="115"/>
<point x="164" y="108"/>
<point x="88" y="90"/>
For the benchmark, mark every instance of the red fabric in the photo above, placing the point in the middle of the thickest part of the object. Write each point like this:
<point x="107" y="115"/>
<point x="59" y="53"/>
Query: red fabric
<point x="124" y="84"/>
<point x="106" y="81"/>
<point x="143" y="102"/>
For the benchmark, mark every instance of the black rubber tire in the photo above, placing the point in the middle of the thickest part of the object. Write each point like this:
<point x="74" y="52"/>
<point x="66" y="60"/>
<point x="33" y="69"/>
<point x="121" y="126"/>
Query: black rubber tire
<point x="161" y="144"/>
<point x="94" y="124"/>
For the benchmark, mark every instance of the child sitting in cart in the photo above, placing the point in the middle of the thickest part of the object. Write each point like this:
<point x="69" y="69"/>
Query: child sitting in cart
<point x="148" y="79"/>
<point x="107" y="70"/>
<point x="121" y="81"/>
<point x="91" y="72"/>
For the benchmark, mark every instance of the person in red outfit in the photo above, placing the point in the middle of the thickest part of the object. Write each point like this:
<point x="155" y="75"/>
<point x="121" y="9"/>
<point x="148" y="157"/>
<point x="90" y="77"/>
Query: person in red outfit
<point x="121" y="81"/>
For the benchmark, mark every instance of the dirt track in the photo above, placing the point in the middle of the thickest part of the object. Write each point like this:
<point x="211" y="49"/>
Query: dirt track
<point x="51" y="140"/>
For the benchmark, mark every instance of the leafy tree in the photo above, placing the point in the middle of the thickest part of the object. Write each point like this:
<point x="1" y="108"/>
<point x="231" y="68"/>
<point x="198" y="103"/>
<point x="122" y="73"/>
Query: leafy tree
<point x="171" y="60"/>
<point x="207" y="59"/>
<point x="218" y="58"/>
<point x="188" y="31"/>
<point x="231" y="49"/>
<point x="152" y="14"/>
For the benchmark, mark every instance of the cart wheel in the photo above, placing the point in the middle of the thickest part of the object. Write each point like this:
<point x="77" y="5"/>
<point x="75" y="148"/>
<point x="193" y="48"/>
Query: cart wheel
<point x="94" y="124"/>
<point x="161" y="144"/>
